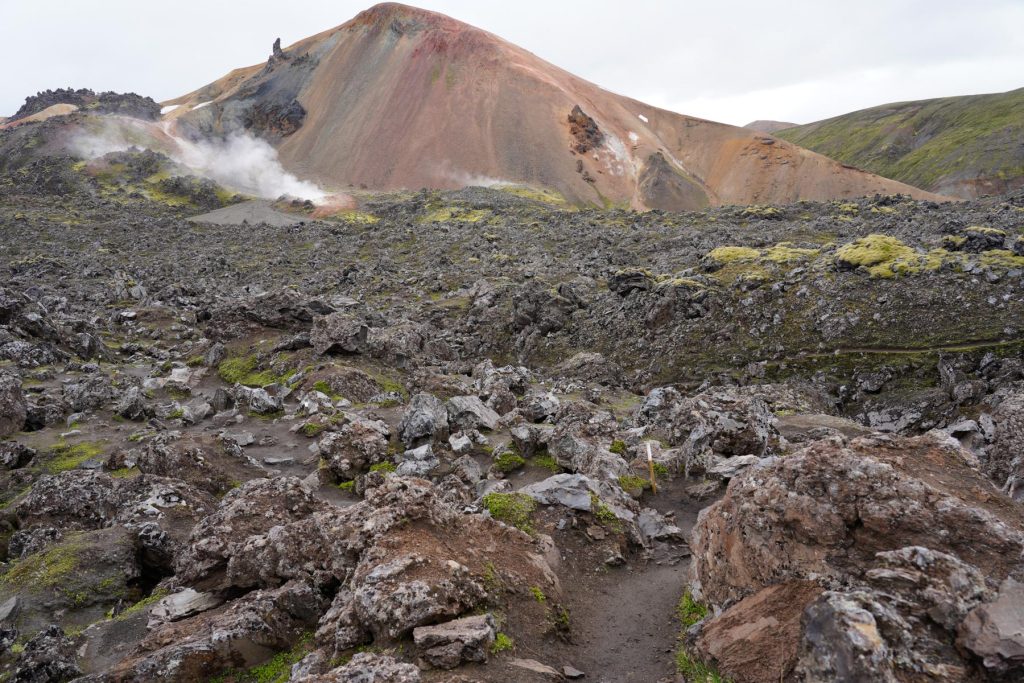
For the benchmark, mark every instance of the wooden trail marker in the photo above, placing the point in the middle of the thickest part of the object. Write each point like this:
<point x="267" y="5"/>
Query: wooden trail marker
<point x="650" y="467"/>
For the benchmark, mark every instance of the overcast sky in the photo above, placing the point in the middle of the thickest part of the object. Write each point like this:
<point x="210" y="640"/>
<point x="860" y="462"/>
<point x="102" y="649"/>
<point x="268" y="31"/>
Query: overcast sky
<point x="731" y="61"/>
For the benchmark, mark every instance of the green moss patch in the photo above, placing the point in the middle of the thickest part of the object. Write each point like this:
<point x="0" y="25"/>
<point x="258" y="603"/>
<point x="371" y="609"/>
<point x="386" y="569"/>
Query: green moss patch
<point x="46" y="569"/>
<point x="243" y="370"/>
<point x="69" y="456"/>
<point x="515" y="509"/>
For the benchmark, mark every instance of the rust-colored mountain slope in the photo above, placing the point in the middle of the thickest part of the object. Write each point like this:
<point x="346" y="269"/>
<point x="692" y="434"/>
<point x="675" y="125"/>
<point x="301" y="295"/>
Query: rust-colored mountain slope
<point x="405" y="98"/>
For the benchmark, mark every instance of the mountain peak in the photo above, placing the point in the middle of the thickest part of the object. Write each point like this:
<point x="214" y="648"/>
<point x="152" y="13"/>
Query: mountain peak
<point x="400" y="97"/>
<point x="404" y="18"/>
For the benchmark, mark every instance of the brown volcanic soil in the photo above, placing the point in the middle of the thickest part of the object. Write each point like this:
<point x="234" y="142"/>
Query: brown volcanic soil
<point x="405" y="98"/>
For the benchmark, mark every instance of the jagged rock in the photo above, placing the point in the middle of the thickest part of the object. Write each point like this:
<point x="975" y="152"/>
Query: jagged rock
<point x="578" y="492"/>
<point x="426" y="418"/>
<point x="629" y="280"/>
<point x="49" y="657"/>
<point x="89" y="393"/>
<point x="757" y="638"/>
<point x="197" y="458"/>
<point x="533" y="666"/>
<point x="460" y="443"/>
<point x="1004" y="460"/>
<point x="447" y="645"/>
<point x="397" y="343"/>
<point x="719" y="423"/>
<point x="249" y="510"/>
<point x="132" y="404"/>
<point x="350" y="383"/>
<point x="843" y="643"/>
<point x="159" y="511"/>
<point x="13" y="409"/>
<point x="536" y="407"/>
<point x="368" y="667"/>
<point x="531" y="439"/>
<point x="76" y="579"/>
<point x="417" y="462"/>
<point x="14" y="455"/>
<point x="994" y="631"/>
<point x="469" y="412"/>
<point x="774" y="525"/>
<point x="182" y="605"/>
<point x="215" y="355"/>
<point x="339" y="333"/>
<point x="886" y="544"/>
<point x="259" y="401"/>
<point x="900" y="620"/>
<point x="580" y="440"/>
<point x="352" y="449"/>
<point x="250" y="630"/>
<point x="590" y="366"/>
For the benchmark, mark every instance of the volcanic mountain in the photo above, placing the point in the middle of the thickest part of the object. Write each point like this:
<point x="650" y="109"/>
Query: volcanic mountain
<point x="402" y="98"/>
<point x="961" y="146"/>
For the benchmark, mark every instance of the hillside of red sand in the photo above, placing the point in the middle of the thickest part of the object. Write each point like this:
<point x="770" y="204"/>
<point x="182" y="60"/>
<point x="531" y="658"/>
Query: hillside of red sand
<point x="402" y="98"/>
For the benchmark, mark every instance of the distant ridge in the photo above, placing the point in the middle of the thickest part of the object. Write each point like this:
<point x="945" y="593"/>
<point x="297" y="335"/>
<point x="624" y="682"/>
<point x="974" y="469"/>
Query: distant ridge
<point x="766" y="126"/>
<point x="959" y="146"/>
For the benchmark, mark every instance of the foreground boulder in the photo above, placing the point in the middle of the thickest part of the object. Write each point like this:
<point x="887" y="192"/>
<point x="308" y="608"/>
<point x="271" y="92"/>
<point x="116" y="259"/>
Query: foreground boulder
<point x="883" y="546"/>
<point x="400" y="559"/>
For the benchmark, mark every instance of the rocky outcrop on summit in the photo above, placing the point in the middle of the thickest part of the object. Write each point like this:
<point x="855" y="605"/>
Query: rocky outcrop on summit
<point x="128" y="104"/>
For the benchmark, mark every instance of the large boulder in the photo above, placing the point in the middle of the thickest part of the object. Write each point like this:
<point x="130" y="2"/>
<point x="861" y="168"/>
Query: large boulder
<point x="1003" y="461"/>
<point x="581" y="440"/>
<point x="367" y="667"/>
<point x="710" y="427"/>
<point x="426" y="419"/>
<point x="899" y="620"/>
<point x="339" y="333"/>
<point x="883" y="493"/>
<point x="249" y="631"/>
<point x="452" y="643"/>
<point x="905" y="536"/>
<point x="352" y="449"/>
<point x="12" y="405"/>
<point x="995" y="631"/>
<point x="249" y="510"/>
<point x="401" y="558"/>
<point x="469" y="412"/>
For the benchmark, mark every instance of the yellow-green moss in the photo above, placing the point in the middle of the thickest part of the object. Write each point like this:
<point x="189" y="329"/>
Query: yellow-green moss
<point x="242" y="370"/>
<point x="502" y="643"/>
<point x="512" y="508"/>
<point x="757" y="211"/>
<point x="508" y="461"/>
<point x="633" y="485"/>
<point x="1001" y="258"/>
<point x="46" y="569"/>
<point x="446" y="214"/>
<point x="144" y="603"/>
<point x="785" y="252"/>
<point x="69" y="456"/>
<point x="730" y="254"/>
<point x="883" y="256"/>
<point x="985" y="230"/>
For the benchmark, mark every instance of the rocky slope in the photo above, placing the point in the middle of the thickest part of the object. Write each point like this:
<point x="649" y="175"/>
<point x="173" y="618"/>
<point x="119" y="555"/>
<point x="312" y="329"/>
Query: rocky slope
<point x="408" y="440"/>
<point x="768" y="126"/>
<point x="402" y="98"/>
<point x="959" y="146"/>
